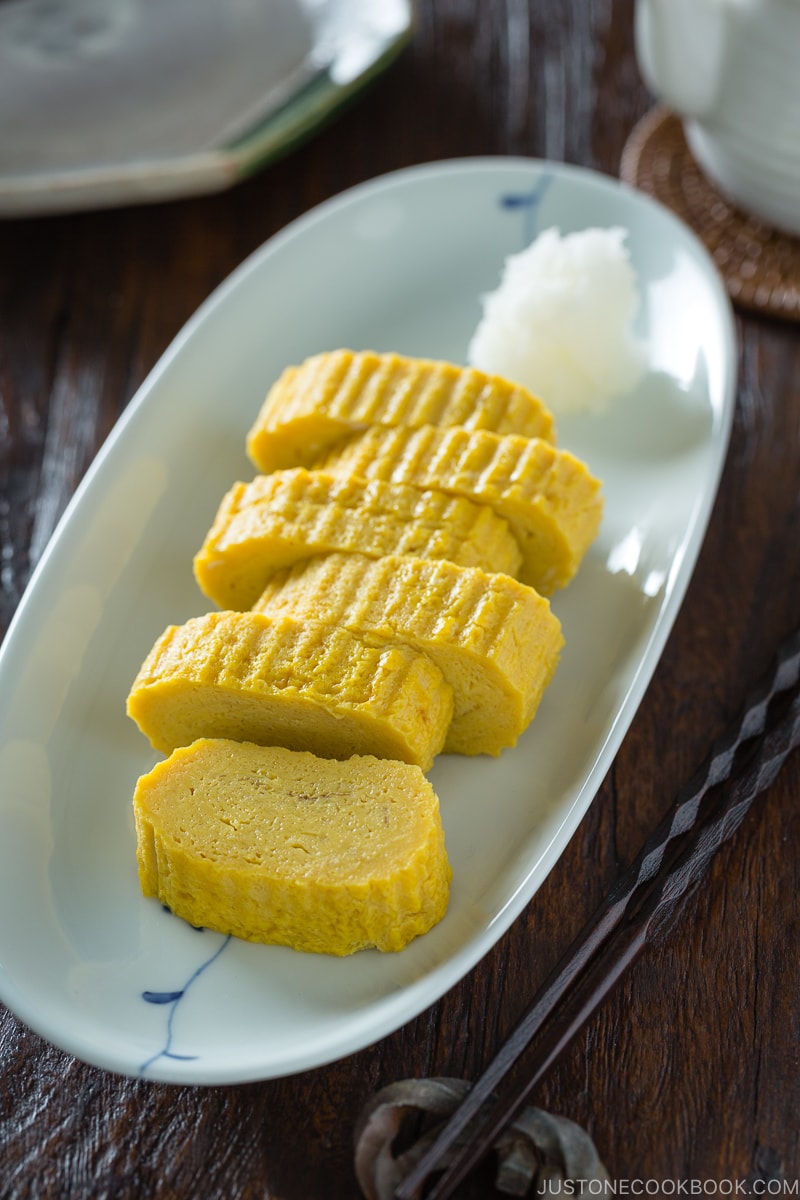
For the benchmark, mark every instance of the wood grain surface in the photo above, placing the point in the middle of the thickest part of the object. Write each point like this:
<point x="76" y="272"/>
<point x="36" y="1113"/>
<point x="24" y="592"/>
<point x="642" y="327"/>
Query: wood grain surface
<point x="691" y="1071"/>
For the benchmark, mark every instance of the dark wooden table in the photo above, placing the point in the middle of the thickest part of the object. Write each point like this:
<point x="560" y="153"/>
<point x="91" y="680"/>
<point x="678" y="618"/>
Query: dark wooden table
<point x="691" y="1071"/>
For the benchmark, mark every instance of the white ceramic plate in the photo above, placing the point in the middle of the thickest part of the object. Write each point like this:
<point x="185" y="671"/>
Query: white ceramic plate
<point x="122" y="101"/>
<point x="397" y="264"/>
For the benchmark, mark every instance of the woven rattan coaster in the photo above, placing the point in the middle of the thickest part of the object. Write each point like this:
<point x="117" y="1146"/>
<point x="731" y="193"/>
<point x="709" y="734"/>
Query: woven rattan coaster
<point x="760" y="266"/>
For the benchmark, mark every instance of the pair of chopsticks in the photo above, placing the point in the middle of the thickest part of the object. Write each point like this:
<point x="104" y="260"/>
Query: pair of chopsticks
<point x="642" y="903"/>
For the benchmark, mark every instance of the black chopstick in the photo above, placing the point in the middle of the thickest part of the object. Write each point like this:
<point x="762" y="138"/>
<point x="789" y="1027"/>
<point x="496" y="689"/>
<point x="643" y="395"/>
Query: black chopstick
<point x="657" y="912"/>
<point x="608" y="942"/>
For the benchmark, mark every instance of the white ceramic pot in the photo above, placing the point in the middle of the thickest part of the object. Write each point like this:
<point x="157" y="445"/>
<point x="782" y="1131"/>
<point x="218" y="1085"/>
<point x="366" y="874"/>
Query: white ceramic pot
<point x="731" y="70"/>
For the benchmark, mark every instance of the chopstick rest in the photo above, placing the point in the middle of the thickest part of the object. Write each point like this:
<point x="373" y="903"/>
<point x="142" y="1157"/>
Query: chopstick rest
<point x="537" y="1148"/>
<point x="640" y="905"/>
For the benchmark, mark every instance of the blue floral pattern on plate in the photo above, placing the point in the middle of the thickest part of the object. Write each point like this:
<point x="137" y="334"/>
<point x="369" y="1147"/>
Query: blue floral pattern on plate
<point x="170" y="1000"/>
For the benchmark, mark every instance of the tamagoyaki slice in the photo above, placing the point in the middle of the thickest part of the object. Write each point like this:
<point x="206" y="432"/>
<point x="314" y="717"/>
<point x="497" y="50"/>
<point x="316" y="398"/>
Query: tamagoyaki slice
<point x="276" y="680"/>
<point x="495" y="641"/>
<point x="273" y="845"/>
<point x="551" y="501"/>
<point x="278" y="519"/>
<point x="333" y="395"/>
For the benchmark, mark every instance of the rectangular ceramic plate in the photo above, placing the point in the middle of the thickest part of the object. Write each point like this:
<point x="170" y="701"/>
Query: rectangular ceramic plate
<point x="397" y="264"/>
<point x="123" y="101"/>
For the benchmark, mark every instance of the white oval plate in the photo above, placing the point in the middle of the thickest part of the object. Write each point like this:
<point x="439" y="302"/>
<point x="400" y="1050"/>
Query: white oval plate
<point x="396" y="264"/>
